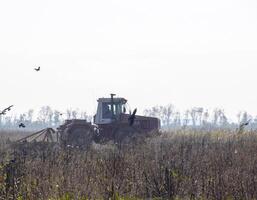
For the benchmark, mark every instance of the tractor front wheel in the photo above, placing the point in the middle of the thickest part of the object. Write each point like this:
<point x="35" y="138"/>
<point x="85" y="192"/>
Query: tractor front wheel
<point x="79" y="136"/>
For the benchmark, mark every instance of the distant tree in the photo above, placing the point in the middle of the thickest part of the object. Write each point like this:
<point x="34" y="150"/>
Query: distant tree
<point x="216" y="116"/>
<point x="196" y="115"/>
<point x="245" y="117"/>
<point x="45" y="115"/>
<point x="84" y="115"/>
<point x="8" y="121"/>
<point x="186" y="118"/>
<point x="30" y="115"/>
<point x="165" y="113"/>
<point x="223" y="119"/>
<point x="74" y="114"/>
<point x="69" y="113"/>
<point x="255" y="120"/>
<point x="193" y="116"/>
<point x="22" y="118"/>
<point x="177" y="119"/>
<point x="219" y="117"/>
<point x="56" y="117"/>
<point x="239" y="117"/>
<point x="199" y="115"/>
<point x="206" y="116"/>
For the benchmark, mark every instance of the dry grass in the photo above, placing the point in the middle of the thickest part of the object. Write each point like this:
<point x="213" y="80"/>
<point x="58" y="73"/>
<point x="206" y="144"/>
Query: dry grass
<point x="177" y="165"/>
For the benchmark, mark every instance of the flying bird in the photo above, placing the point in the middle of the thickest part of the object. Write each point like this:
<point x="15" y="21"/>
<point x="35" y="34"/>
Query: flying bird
<point x="132" y="117"/>
<point x="37" y="69"/>
<point x="246" y="123"/>
<point x="9" y="108"/>
<point x="3" y="112"/>
<point x="242" y="126"/>
<point x="21" y="125"/>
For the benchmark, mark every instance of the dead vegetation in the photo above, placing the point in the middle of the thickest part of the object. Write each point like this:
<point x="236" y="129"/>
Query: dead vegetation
<point x="177" y="165"/>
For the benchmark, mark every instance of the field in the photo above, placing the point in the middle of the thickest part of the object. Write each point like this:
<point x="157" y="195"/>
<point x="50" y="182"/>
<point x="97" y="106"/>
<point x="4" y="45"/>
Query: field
<point x="183" y="164"/>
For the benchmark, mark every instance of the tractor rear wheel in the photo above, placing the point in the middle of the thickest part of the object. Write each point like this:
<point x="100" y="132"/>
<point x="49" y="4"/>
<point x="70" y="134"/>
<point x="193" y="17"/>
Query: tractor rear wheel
<point x="126" y="134"/>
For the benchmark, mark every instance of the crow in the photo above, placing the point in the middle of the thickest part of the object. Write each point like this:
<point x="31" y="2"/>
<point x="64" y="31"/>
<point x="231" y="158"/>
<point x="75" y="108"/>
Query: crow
<point x="132" y="117"/>
<point x="9" y="108"/>
<point x="242" y="126"/>
<point x="37" y="69"/>
<point x="59" y="113"/>
<point x="3" y="112"/>
<point x="246" y="123"/>
<point x="21" y="125"/>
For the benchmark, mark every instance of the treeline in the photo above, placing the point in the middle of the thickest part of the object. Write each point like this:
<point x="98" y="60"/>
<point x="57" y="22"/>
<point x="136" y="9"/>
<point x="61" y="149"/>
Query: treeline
<point x="170" y="118"/>
<point x="198" y="117"/>
<point x="45" y="117"/>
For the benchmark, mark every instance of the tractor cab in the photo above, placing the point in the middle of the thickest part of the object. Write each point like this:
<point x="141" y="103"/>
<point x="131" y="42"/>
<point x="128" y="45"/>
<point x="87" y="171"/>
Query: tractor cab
<point x="109" y="109"/>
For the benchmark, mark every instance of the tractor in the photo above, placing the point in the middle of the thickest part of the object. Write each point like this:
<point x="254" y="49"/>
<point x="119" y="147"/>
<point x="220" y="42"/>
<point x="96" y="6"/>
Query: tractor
<point x="111" y="122"/>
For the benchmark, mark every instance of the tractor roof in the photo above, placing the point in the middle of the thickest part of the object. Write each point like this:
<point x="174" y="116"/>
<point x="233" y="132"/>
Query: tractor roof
<point x="115" y="100"/>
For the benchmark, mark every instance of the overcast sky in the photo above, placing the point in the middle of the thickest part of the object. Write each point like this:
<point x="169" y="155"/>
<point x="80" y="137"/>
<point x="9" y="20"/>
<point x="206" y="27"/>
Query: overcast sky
<point x="189" y="53"/>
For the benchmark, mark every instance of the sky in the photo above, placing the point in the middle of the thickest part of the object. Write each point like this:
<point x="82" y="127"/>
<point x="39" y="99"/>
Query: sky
<point x="188" y="53"/>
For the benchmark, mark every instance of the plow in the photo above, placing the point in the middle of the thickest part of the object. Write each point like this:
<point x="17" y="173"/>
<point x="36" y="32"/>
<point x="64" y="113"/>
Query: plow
<point x="111" y="122"/>
<point x="45" y="135"/>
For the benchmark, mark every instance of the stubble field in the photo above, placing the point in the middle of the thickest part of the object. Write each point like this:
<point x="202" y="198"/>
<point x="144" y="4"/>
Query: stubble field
<point x="183" y="164"/>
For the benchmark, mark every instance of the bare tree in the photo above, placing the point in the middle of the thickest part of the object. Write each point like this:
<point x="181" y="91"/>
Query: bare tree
<point x="56" y="117"/>
<point x="45" y="115"/>
<point x="206" y="116"/>
<point x="186" y="118"/>
<point x="177" y="119"/>
<point x="168" y="111"/>
<point x="69" y="113"/>
<point x="165" y="113"/>
<point x="219" y="117"/>
<point x="74" y="114"/>
<point x="30" y="115"/>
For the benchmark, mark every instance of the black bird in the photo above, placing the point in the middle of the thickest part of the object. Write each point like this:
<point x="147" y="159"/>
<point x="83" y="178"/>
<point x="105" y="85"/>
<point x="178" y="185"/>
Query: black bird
<point x="59" y="113"/>
<point x="132" y="117"/>
<point x="21" y="125"/>
<point x="246" y="123"/>
<point x="9" y="108"/>
<point x="37" y="69"/>
<point x="3" y="112"/>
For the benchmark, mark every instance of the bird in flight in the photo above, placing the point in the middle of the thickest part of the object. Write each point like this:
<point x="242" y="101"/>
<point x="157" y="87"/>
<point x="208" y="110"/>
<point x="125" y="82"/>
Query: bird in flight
<point x="37" y="69"/>
<point x="246" y="123"/>
<point x="9" y="108"/>
<point x="132" y="117"/>
<point x="21" y="125"/>
<point x="3" y="112"/>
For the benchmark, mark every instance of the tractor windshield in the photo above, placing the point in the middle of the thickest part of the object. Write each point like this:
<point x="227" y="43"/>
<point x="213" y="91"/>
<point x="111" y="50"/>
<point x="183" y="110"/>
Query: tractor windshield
<point x="107" y="109"/>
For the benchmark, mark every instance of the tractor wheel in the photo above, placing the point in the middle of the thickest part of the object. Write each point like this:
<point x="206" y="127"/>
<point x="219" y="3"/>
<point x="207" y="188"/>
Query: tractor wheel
<point x="79" y="136"/>
<point x="126" y="134"/>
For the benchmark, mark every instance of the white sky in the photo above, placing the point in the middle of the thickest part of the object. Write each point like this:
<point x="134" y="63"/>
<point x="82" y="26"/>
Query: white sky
<point x="189" y="53"/>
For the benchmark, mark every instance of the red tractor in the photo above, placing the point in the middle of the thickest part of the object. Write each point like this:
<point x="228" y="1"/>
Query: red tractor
<point x="111" y="122"/>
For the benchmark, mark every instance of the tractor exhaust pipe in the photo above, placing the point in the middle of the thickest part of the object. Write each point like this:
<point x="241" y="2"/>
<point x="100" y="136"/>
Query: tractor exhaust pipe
<point x="112" y="105"/>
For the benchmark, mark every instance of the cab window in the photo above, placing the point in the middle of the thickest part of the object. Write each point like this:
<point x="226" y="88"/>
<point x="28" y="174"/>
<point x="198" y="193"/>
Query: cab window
<point x="107" y="110"/>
